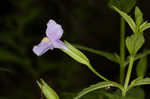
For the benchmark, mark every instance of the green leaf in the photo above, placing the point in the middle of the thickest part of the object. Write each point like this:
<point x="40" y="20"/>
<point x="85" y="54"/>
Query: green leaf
<point x="141" y="67"/>
<point x="139" y="56"/>
<point x="47" y="90"/>
<point x="134" y="43"/>
<point x="138" y="82"/>
<point x="144" y="26"/>
<point x="138" y="16"/>
<point x="98" y="86"/>
<point x="75" y="54"/>
<point x="110" y="56"/>
<point x="142" y="54"/>
<point x="124" y="5"/>
<point x="127" y="18"/>
<point x="134" y="93"/>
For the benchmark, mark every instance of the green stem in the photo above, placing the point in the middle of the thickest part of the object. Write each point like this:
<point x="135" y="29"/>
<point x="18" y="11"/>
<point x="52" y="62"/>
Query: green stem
<point x="122" y="74"/>
<point x="96" y="73"/>
<point x="107" y="55"/>
<point x="122" y="50"/>
<point x="129" y="73"/>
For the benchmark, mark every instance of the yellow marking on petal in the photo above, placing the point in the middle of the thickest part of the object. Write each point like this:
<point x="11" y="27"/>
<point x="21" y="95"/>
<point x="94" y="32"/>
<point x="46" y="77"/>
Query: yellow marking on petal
<point x="45" y="39"/>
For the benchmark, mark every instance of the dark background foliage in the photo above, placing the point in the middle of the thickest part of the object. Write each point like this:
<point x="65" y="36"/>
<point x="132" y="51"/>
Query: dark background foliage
<point x="87" y="22"/>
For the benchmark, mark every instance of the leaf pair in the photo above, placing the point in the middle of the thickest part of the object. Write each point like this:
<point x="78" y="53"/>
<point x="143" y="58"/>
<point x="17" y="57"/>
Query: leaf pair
<point x="136" y="40"/>
<point x="139" y="25"/>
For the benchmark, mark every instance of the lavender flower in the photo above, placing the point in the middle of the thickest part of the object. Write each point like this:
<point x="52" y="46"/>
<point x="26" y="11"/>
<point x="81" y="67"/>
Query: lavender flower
<point x="54" y="32"/>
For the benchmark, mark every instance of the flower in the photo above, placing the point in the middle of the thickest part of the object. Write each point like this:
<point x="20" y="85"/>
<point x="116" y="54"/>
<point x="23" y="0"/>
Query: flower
<point x="52" y="40"/>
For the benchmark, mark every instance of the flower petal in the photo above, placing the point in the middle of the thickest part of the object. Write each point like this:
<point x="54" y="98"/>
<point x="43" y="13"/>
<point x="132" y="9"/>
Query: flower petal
<point x="42" y="47"/>
<point x="59" y="44"/>
<point x="54" y="31"/>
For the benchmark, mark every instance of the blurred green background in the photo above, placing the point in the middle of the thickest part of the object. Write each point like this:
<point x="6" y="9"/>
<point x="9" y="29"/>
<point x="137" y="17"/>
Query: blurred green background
<point x="87" y="22"/>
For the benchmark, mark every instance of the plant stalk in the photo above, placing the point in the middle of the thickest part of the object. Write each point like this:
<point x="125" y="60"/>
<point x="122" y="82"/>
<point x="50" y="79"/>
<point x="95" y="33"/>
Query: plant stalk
<point x="122" y="50"/>
<point x="96" y="73"/>
<point x="128" y="76"/>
